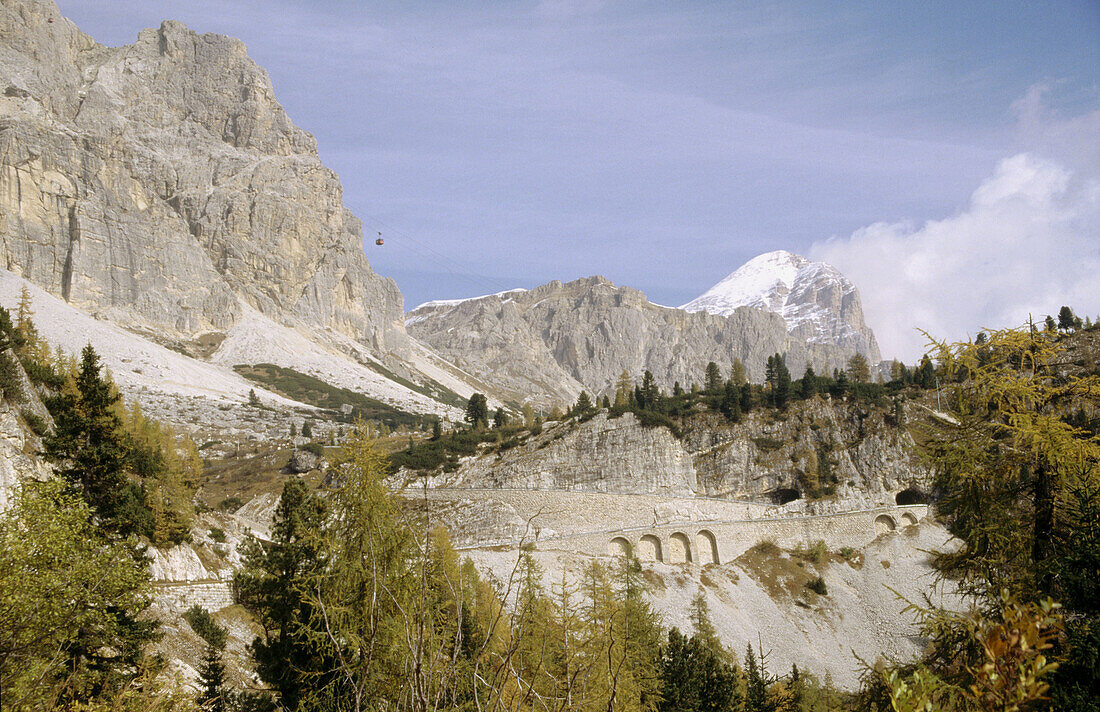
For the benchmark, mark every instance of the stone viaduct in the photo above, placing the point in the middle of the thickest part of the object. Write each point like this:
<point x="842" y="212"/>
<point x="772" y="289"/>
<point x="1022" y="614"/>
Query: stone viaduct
<point x="654" y="528"/>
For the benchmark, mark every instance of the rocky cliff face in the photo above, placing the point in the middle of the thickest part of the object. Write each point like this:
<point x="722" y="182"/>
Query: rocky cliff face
<point x="549" y="343"/>
<point x="602" y="455"/>
<point x="820" y="455"/>
<point x="163" y="185"/>
<point x="818" y="303"/>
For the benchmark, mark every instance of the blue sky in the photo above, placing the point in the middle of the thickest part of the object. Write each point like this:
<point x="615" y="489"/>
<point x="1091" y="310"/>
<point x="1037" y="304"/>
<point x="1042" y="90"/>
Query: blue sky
<point x="664" y="144"/>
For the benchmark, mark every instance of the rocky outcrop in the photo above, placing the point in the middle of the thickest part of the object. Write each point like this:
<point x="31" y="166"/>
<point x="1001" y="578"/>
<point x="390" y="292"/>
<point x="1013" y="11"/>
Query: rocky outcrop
<point x="818" y="456"/>
<point x="602" y="455"/>
<point x="547" y="344"/>
<point x="162" y="184"/>
<point x="818" y="303"/>
<point x="846" y="453"/>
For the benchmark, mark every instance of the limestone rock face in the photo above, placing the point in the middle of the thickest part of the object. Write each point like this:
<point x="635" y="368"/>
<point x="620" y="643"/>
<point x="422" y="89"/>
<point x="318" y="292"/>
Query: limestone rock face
<point x="602" y="455"/>
<point x="818" y="446"/>
<point x="162" y="184"/>
<point x="842" y="449"/>
<point x="547" y="344"/>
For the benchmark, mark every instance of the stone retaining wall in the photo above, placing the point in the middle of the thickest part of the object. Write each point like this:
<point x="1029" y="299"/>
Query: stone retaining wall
<point x="213" y="595"/>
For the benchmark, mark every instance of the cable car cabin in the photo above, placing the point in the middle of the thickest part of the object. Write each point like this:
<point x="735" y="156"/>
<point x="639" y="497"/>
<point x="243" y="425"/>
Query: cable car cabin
<point x="379" y="242"/>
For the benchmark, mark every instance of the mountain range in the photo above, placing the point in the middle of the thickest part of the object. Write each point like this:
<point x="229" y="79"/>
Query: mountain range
<point x="161" y="188"/>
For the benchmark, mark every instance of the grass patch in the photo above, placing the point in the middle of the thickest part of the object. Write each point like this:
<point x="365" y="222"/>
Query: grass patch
<point x="314" y="391"/>
<point x="767" y="444"/>
<point x="815" y="553"/>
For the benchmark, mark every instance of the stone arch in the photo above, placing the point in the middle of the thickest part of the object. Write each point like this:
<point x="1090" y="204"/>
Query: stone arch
<point x="884" y="524"/>
<point x="679" y="549"/>
<point x="618" y="547"/>
<point x="908" y="519"/>
<point x="707" y="547"/>
<point x="649" y="548"/>
<point x="911" y="495"/>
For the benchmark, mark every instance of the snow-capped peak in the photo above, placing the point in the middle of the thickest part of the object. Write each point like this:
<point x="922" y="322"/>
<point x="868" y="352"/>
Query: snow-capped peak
<point x="765" y="282"/>
<point x="818" y="302"/>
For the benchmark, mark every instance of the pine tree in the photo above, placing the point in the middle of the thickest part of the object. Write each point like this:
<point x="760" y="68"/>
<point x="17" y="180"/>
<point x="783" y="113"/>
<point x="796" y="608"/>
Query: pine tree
<point x="782" y="386"/>
<point x="500" y="418"/>
<point x="1067" y="320"/>
<point x="437" y="430"/>
<point x="756" y="685"/>
<point x="90" y="449"/>
<point x="307" y="429"/>
<point x="731" y="402"/>
<point x="583" y="405"/>
<point x="809" y="383"/>
<point x="23" y="320"/>
<point x="737" y="373"/>
<point x="274" y="585"/>
<point x="650" y="394"/>
<point x="712" y="380"/>
<point x="624" y="387"/>
<point x="477" y="411"/>
<point x="253" y="399"/>
<point x="859" y="371"/>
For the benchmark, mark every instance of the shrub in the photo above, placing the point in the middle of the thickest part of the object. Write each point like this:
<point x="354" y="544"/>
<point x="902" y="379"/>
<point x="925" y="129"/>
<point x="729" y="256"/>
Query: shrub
<point x="204" y="624"/>
<point x="218" y="535"/>
<point x="9" y="379"/>
<point x="230" y="504"/>
<point x="767" y="444"/>
<point x="35" y="423"/>
<point x="814" y="553"/>
<point x="42" y="373"/>
<point x="817" y="585"/>
<point x="767" y="547"/>
<point x="317" y="449"/>
<point x="847" y="553"/>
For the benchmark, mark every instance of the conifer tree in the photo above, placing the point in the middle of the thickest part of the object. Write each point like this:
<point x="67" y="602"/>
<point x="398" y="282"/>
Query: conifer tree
<point x="24" y="323"/>
<point x="274" y="585"/>
<point x="859" y="371"/>
<point x="90" y="449"/>
<point x="809" y="383"/>
<point x="1067" y="320"/>
<point x="712" y="379"/>
<point x="500" y="418"/>
<point x="477" y="411"/>
<point x="583" y="405"/>
<point x="737" y="373"/>
<point x="624" y="387"/>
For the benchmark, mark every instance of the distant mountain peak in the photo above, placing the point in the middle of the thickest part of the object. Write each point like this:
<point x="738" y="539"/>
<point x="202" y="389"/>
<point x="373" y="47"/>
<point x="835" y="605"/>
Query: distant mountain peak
<point x="818" y="303"/>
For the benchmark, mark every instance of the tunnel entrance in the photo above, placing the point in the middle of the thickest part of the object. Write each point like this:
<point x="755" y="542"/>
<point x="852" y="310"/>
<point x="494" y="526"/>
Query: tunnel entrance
<point x="784" y="495"/>
<point x="911" y="495"/>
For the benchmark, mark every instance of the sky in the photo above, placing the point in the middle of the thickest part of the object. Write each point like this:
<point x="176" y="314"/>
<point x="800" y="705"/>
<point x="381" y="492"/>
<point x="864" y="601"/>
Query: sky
<point x="944" y="156"/>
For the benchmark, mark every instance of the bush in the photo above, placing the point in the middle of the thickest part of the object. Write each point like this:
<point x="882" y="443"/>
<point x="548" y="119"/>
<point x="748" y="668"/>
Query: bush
<point x="815" y="553"/>
<point x="230" y="504"/>
<point x="42" y="373"/>
<point x="317" y="449"/>
<point x="817" y="585"/>
<point x="847" y="553"/>
<point x="204" y="624"/>
<point x="9" y="379"/>
<point x="35" y="423"/>
<point x="767" y="547"/>
<point x="767" y="444"/>
<point x="218" y="535"/>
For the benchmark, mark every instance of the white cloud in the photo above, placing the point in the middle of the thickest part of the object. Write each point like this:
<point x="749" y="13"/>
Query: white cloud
<point x="1028" y="242"/>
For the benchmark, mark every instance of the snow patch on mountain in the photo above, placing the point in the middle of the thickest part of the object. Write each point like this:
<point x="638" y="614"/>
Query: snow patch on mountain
<point x="818" y="302"/>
